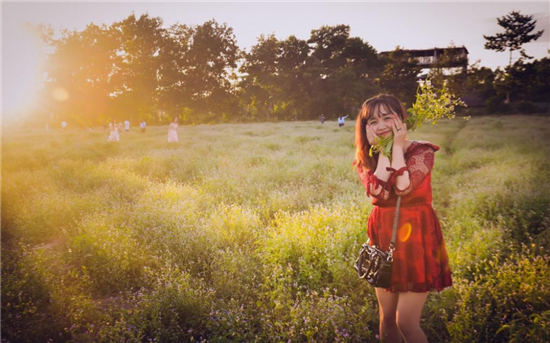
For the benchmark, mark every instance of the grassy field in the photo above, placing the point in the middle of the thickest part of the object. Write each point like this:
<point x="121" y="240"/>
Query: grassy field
<point x="248" y="233"/>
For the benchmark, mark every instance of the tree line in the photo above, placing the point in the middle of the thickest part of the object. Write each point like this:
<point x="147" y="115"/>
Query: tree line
<point x="137" y="69"/>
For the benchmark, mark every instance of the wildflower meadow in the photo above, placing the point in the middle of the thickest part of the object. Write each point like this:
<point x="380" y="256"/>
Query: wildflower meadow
<point x="248" y="233"/>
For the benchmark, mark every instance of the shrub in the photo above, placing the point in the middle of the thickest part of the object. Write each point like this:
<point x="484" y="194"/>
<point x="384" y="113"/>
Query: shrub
<point x="507" y="302"/>
<point x="527" y="107"/>
<point x="496" y="105"/>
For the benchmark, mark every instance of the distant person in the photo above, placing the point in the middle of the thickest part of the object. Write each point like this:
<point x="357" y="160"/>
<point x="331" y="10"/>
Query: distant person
<point x="113" y="135"/>
<point x="126" y="125"/>
<point x="142" y="126"/>
<point x="63" y="125"/>
<point x="173" y="131"/>
<point x="322" y="118"/>
<point x="420" y="261"/>
<point x="342" y="121"/>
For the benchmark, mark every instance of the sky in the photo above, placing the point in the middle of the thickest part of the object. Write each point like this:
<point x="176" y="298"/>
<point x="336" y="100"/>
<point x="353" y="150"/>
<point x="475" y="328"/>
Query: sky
<point x="384" y="25"/>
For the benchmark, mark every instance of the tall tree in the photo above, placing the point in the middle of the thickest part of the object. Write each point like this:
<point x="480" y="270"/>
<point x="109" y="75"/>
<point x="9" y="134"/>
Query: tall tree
<point x="400" y="75"/>
<point x="140" y="42"/>
<point x="173" y="98"/>
<point x="196" y="75"/>
<point x="341" y="71"/>
<point x="261" y="89"/>
<point x="292" y="63"/>
<point x="451" y="67"/>
<point x="517" y="31"/>
<point x="533" y="81"/>
<point x="541" y="81"/>
<point x="210" y="62"/>
<point x="80" y="73"/>
<point x="480" y="81"/>
<point x="273" y="83"/>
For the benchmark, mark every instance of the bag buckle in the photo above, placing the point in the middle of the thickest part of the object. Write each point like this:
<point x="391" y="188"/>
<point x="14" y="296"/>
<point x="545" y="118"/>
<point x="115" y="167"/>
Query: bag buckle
<point x="390" y="253"/>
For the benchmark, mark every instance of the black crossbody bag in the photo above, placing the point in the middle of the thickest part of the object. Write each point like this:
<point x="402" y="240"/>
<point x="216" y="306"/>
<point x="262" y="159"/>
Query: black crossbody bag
<point x="375" y="265"/>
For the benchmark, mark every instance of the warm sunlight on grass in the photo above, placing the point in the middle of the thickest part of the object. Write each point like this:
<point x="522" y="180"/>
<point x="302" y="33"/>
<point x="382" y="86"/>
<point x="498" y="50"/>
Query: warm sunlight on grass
<point x="248" y="232"/>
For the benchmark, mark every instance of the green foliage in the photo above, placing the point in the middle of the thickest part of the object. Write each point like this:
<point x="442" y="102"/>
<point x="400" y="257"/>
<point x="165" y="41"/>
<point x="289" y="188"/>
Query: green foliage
<point x="510" y="298"/>
<point x="516" y="78"/>
<point x="430" y="106"/>
<point x="400" y="75"/>
<point x="517" y="31"/>
<point x="295" y="79"/>
<point x="527" y="107"/>
<point x="248" y="233"/>
<point x="136" y="69"/>
<point x="480" y="80"/>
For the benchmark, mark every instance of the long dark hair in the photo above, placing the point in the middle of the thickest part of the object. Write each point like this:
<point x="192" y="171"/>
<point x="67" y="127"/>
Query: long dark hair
<point x="369" y="109"/>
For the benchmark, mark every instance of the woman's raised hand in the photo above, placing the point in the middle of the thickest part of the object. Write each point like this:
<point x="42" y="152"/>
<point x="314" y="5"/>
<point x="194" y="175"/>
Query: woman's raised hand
<point x="399" y="132"/>
<point x="371" y="136"/>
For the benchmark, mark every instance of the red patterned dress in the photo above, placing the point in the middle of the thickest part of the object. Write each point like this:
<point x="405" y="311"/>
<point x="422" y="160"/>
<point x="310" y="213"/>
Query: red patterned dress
<point x="420" y="262"/>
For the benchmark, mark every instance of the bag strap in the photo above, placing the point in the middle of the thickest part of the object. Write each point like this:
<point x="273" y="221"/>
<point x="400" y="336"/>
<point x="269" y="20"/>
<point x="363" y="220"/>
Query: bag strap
<point x="394" y="232"/>
<point x="395" y="222"/>
<point x="396" y="219"/>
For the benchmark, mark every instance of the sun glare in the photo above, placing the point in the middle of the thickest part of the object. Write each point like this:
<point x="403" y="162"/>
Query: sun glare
<point x="405" y="232"/>
<point x="60" y="94"/>
<point x="23" y="79"/>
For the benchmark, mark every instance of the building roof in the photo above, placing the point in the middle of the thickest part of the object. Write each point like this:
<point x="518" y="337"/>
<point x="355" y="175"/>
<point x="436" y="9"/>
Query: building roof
<point x="429" y="52"/>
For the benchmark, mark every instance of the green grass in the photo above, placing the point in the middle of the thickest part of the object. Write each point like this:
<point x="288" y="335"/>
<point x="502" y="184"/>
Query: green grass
<point x="248" y="232"/>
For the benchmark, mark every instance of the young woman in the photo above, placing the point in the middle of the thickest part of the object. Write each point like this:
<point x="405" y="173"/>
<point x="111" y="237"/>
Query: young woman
<point x="420" y="258"/>
<point x="173" y="131"/>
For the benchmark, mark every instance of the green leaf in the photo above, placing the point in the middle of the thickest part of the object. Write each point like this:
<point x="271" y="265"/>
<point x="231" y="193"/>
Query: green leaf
<point x="387" y="152"/>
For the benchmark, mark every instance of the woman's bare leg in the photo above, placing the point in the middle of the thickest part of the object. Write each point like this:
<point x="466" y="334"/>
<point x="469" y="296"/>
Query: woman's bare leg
<point x="387" y="304"/>
<point x="409" y="310"/>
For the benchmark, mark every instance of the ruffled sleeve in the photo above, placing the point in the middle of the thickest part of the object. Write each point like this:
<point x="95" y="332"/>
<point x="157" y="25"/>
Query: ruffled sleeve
<point x="419" y="164"/>
<point x="371" y="182"/>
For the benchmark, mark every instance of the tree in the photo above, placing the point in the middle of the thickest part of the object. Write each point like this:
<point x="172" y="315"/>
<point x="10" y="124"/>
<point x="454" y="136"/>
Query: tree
<point x="172" y="71"/>
<point x="517" y="31"/>
<point x="292" y="64"/>
<point x="209" y="61"/>
<point x="80" y="74"/>
<point x="260" y="72"/>
<point x="196" y="72"/>
<point x="533" y="81"/>
<point x="341" y="71"/>
<point x="140" y="42"/>
<point x="273" y="85"/>
<point x="400" y="75"/>
<point x="480" y="81"/>
<point x="451" y="67"/>
<point x="541" y="83"/>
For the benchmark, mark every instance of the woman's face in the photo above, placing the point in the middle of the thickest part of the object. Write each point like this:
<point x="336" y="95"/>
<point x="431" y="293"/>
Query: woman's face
<point x="382" y="120"/>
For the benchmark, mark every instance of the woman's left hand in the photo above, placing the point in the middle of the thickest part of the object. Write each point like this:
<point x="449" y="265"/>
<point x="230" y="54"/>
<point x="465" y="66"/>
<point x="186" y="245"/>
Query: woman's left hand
<point x="399" y="132"/>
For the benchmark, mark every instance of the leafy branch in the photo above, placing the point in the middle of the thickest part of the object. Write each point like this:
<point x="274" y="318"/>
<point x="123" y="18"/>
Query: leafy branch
<point x="431" y="105"/>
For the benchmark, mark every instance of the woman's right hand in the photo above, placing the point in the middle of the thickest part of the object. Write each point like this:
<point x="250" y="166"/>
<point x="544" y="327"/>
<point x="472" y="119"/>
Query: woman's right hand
<point x="371" y="136"/>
